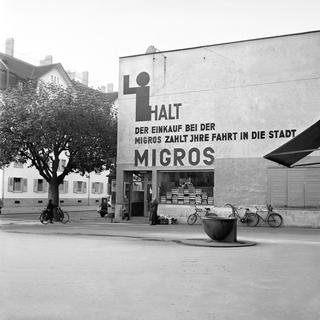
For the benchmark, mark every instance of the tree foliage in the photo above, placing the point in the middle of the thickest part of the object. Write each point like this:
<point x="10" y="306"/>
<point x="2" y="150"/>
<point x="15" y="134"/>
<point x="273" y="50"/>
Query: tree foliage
<point x="41" y="124"/>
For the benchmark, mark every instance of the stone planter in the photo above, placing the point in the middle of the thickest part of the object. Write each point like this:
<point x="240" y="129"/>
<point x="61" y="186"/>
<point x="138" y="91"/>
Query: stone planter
<point x="221" y="228"/>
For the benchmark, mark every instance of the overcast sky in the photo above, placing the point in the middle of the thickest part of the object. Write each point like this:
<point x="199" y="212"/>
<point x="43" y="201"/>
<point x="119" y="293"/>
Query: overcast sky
<point x="91" y="35"/>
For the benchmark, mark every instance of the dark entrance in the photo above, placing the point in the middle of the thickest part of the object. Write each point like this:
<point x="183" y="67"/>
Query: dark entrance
<point x="137" y="192"/>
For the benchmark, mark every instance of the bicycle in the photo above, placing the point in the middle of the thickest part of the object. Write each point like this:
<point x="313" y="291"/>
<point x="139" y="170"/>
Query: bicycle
<point x="59" y="215"/>
<point x="249" y="217"/>
<point x="198" y="213"/>
<point x="273" y="219"/>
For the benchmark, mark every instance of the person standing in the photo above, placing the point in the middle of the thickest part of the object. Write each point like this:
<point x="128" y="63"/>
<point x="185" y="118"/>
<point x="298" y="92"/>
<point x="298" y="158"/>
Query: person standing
<point x="153" y="212"/>
<point x="104" y="207"/>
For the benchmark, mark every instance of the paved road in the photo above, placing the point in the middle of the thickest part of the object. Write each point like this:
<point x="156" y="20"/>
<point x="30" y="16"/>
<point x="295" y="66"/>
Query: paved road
<point x="92" y="269"/>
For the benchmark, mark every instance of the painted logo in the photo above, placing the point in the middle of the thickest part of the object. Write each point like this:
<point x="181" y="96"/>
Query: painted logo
<point x="142" y="92"/>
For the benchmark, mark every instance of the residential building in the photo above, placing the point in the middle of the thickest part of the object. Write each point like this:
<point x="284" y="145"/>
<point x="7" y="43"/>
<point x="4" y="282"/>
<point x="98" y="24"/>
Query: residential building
<point x="23" y="186"/>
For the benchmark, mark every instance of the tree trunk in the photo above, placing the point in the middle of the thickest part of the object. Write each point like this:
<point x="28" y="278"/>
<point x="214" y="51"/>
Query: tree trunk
<point x="54" y="192"/>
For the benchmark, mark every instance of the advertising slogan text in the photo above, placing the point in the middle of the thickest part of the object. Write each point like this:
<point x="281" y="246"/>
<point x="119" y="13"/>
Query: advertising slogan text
<point x="186" y="137"/>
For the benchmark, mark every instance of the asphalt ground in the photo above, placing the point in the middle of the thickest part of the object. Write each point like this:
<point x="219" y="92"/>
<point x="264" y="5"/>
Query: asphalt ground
<point x="91" y="268"/>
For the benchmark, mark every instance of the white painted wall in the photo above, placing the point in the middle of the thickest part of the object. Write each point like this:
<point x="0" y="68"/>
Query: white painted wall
<point x="261" y="85"/>
<point x="55" y="73"/>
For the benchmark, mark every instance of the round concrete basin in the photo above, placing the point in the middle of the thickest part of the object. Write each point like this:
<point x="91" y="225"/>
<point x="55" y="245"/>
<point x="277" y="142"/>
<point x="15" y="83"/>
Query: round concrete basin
<point x="221" y="228"/>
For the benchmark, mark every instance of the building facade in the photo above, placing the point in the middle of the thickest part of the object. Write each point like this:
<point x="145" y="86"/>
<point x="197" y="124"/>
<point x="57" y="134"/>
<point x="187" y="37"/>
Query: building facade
<point x="195" y="125"/>
<point x="23" y="186"/>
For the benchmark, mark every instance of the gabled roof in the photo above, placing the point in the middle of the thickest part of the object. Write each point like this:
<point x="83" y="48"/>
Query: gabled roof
<point x="27" y="71"/>
<point x="20" y="68"/>
<point x="40" y="71"/>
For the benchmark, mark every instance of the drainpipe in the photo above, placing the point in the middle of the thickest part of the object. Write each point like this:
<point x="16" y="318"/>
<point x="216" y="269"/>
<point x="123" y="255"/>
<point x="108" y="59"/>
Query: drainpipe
<point x="7" y="73"/>
<point x="88" y="176"/>
<point x="2" y="195"/>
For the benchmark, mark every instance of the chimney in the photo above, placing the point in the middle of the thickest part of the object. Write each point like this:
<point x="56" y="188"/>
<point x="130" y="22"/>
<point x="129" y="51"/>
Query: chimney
<point x="10" y="46"/>
<point x="85" y="78"/>
<point x="110" y="87"/>
<point x="46" y="61"/>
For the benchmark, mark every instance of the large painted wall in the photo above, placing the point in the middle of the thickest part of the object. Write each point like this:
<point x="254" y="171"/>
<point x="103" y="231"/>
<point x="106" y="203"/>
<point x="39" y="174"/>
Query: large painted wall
<point x="231" y="104"/>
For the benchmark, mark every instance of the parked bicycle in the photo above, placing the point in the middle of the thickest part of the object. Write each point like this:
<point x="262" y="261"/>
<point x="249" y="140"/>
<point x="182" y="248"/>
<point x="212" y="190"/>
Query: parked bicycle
<point x="273" y="219"/>
<point x="249" y="217"/>
<point x="59" y="215"/>
<point x="199" y="213"/>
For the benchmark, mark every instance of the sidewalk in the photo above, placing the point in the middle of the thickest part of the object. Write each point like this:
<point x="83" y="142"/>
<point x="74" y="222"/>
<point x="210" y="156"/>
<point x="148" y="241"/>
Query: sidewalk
<point x="38" y="209"/>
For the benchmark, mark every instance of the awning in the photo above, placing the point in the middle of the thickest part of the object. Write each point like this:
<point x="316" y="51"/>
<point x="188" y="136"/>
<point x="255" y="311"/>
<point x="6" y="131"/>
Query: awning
<point x="298" y="147"/>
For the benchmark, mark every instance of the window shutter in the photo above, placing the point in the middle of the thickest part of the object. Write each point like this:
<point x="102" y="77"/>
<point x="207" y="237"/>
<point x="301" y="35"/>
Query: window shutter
<point x="84" y="185"/>
<point x="45" y="186"/>
<point x="35" y="185"/>
<point x="65" y="186"/>
<point x="101" y="187"/>
<point x="93" y="190"/>
<point x="75" y="187"/>
<point x="278" y="181"/>
<point x="24" y="185"/>
<point x="10" y="184"/>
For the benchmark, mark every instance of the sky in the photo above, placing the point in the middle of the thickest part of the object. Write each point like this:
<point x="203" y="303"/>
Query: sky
<point x="91" y="35"/>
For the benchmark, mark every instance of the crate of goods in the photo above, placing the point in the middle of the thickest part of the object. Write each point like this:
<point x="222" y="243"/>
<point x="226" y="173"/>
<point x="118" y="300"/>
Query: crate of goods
<point x="186" y="200"/>
<point x="210" y="200"/>
<point x="169" y="195"/>
<point x="174" y="191"/>
<point x="174" y="199"/>
<point x="198" y="200"/>
<point x="162" y="199"/>
<point x="180" y="190"/>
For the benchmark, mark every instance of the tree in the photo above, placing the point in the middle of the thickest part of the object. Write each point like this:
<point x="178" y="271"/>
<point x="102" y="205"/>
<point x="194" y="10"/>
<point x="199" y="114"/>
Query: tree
<point x="41" y="124"/>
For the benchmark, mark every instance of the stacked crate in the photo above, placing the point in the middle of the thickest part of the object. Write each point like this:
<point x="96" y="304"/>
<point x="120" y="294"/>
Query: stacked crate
<point x="163" y="199"/>
<point x="210" y="200"/>
<point x="180" y="196"/>
<point x="192" y="196"/>
<point x="204" y="198"/>
<point x="169" y="197"/>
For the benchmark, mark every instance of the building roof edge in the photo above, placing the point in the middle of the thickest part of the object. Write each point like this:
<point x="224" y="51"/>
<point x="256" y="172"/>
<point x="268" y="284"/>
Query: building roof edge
<point x="221" y="44"/>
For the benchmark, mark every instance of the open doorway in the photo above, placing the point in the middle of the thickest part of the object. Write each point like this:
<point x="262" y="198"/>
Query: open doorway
<point x="138" y="193"/>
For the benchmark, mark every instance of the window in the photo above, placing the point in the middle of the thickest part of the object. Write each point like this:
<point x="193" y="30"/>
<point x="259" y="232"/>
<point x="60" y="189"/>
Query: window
<point x="182" y="187"/>
<point x="79" y="187"/>
<point x="18" y="165"/>
<point x="63" y="187"/>
<point x="17" y="184"/>
<point x="40" y="185"/>
<point x="54" y="79"/>
<point x="20" y="85"/>
<point x="97" y="187"/>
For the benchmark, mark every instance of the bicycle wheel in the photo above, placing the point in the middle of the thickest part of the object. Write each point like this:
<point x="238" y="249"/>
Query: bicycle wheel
<point x="274" y="220"/>
<point x="64" y="217"/>
<point x="234" y="210"/>
<point x="252" y="219"/>
<point x="192" y="218"/>
<point x="43" y="218"/>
